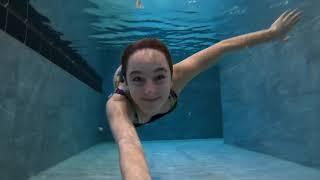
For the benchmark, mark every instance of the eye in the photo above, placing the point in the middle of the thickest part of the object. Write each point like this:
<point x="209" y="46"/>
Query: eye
<point x="160" y="77"/>
<point x="137" y="79"/>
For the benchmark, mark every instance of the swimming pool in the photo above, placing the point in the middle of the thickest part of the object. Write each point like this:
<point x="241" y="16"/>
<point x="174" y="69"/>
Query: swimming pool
<point x="58" y="60"/>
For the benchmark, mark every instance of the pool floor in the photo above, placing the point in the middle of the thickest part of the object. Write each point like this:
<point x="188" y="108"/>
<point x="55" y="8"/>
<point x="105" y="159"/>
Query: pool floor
<point x="198" y="159"/>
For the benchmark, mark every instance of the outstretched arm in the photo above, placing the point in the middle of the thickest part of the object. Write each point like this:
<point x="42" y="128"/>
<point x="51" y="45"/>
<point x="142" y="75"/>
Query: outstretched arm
<point x="187" y="69"/>
<point x="132" y="161"/>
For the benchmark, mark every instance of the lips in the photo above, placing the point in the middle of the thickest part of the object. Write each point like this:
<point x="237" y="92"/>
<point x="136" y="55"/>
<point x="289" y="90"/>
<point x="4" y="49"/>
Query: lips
<point x="151" y="100"/>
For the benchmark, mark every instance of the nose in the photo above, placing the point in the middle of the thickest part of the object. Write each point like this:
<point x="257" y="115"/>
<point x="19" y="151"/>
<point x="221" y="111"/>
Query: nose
<point x="150" y="88"/>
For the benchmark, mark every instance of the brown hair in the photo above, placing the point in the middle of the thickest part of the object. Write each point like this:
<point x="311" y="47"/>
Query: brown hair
<point x="146" y="43"/>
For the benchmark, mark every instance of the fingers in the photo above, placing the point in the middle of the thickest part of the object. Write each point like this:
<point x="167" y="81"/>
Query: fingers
<point x="296" y="17"/>
<point x="296" y="14"/>
<point x="283" y="15"/>
<point x="292" y="12"/>
<point x="288" y="15"/>
<point x="293" y="16"/>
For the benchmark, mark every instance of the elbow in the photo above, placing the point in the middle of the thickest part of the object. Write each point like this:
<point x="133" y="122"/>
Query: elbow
<point x="225" y="46"/>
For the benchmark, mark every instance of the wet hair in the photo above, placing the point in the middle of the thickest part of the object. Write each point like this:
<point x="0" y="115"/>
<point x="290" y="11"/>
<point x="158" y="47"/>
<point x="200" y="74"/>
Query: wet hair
<point x="146" y="43"/>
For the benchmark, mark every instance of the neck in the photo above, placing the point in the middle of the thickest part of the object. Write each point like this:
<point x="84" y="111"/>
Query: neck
<point x="143" y="117"/>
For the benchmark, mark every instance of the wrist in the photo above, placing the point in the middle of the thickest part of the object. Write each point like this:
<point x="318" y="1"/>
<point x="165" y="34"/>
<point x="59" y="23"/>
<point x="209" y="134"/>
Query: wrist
<point x="273" y="33"/>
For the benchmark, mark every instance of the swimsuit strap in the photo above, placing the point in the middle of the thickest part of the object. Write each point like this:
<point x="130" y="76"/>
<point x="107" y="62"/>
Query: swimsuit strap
<point x="120" y="91"/>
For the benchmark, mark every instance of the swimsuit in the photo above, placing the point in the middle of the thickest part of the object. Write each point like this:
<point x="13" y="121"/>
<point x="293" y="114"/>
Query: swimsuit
<point x="157" y="116"/>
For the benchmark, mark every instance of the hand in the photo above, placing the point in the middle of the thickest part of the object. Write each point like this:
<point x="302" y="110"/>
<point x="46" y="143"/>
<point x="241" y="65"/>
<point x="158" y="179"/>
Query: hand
<point x="284" y="23"/>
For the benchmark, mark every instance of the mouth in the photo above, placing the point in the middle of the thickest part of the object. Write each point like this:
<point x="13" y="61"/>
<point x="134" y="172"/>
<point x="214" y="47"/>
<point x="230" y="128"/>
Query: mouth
<point x="151" y="100"/>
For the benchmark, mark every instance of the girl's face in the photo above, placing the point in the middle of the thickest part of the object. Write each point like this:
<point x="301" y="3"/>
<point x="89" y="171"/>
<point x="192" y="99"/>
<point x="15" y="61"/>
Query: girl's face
<point x="149" y="79"/>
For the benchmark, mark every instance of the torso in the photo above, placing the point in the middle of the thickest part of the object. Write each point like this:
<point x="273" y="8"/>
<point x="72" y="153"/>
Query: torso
<point x="143" y="119"/>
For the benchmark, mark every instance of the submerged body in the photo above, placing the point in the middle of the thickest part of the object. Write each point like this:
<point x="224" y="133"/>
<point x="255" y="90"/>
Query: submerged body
<point x="147" y="86"/>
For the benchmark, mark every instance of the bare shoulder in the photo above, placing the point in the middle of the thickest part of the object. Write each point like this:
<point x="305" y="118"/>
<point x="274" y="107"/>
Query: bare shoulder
<point x="119" y="102"/>
<point x="117" y="98"/>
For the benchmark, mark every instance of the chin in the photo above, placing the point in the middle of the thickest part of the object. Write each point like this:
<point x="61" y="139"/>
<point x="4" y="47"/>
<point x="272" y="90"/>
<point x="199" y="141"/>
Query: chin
<point x="152" y="106"/>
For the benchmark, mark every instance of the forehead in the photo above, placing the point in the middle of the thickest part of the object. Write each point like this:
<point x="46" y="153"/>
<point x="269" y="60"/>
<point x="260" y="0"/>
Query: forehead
<point x="147" y="59"/>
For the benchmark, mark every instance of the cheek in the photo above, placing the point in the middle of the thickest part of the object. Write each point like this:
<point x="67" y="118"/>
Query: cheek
<point x="165" y="88"/>
<point x="134" y="91"/>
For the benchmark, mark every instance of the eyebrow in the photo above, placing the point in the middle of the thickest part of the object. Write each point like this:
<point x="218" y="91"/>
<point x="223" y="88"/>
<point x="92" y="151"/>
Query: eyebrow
<point x="155" y="71"/>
